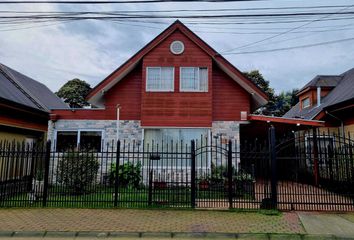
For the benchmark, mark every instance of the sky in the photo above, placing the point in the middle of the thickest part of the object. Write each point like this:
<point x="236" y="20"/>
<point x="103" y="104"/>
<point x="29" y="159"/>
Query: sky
<point x="92" y="49"/>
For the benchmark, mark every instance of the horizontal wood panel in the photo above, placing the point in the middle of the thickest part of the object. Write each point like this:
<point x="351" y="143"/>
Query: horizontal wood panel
<point x="229" y="98"/>
<point x="177" y="108"/>
<point x="127" y="93"/>
<point x="84" y="114"/>
<point x="33" y="124"/>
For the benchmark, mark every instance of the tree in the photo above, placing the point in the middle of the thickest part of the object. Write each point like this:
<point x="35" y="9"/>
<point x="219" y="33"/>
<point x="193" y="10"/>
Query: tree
<point x="284" y="101"/>
<point x="74" y="92"/>
<point x="256" y="77"/>
<point x="277" y="105"/>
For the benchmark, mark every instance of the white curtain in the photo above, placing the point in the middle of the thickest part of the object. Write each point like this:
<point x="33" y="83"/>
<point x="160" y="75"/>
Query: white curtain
<point x="159" y="78"/>
<point x="194" y="79"/>
<point x="180" y="138"/>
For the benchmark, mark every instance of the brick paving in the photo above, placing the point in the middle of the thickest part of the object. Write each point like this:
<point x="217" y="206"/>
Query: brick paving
<point x="291" y="196"/>
<point x="349" y="217"/>
<point x="130" y="220"/>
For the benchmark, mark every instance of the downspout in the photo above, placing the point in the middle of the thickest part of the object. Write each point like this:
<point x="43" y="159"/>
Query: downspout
<point x="341" y="122"/>
<point x="117" y="122"/>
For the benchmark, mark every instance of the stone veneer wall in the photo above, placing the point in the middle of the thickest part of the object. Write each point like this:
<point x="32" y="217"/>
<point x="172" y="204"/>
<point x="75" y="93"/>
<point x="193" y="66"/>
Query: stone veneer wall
<point x="131" y="130"/>
<point x="128" y="129"/>
<point x="226" y="129"/>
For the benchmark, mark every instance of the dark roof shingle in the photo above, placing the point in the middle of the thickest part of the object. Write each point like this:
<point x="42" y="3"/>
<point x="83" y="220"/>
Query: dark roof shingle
<point x="21" y="89"/>
<point x="343" y="91"/>
<point x="323" y="81"/>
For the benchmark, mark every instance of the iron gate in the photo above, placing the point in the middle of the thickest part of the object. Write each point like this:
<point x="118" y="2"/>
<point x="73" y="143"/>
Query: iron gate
<point x="316" y="172"/>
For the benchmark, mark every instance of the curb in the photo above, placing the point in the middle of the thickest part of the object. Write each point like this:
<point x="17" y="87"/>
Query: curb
<point x="165" y="235"/>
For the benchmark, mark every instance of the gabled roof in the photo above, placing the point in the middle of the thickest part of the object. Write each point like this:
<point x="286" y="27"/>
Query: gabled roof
<point x="95" y="96"/>
<point x="20" y="89"/>
<point x="329" y="81"/>
<point x="342" y="92"/>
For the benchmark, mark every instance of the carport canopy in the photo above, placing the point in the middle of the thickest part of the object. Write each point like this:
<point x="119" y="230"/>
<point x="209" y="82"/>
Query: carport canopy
<point x="258" y="126"/>
<point x="281" y="120"/>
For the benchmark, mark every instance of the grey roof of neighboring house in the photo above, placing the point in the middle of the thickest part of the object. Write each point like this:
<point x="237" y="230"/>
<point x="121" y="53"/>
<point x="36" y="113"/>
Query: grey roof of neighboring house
<point x="23" y="90"/>
<point x="343" y="91"/>
<point x="323" y="81"/>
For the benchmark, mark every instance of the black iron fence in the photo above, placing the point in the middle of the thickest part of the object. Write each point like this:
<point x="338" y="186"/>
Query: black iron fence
<point x="310" y="172"/>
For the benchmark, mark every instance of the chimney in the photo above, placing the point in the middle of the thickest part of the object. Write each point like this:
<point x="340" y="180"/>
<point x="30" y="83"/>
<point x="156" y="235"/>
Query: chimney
<point x="318" y="96"/>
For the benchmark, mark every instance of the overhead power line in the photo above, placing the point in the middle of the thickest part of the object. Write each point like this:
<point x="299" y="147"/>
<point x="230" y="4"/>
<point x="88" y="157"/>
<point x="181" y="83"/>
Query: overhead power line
<point x="120" y="2"/>
<point x="290" y="30"/>
<point x="196" y="10"/>
<point x="99" y="15"/>
<point x="294" y="47"/>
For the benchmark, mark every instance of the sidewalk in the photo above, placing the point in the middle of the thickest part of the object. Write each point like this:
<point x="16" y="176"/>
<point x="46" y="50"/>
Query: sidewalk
<point x="128" y="223"/>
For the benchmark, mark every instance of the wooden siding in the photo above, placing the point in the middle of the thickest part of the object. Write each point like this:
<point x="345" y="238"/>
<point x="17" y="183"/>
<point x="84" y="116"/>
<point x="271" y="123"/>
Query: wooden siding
<point x="229" y="98"/>
<point x="126" y="93"/>
<point x="19" y="119"/>
<point x="82" y="114"/>
<point x="312" y="95"/>
<point x="179" y="109"/>
<point x="22" y="123"/>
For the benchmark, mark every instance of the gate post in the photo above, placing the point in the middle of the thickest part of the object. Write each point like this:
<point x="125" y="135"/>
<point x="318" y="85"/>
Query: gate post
<point x="315" y="156"/>
<point x="229" y="173"/>
<point x="193" y="174"/>
<point x="46" y="172"/>
<point x="30" y="184"/>
<point x="116" y="180"/>
<point x="273" y="163"/>
<point x="150" y="187"/>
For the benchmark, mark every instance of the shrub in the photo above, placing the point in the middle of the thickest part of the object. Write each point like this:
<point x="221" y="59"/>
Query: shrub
<point x="77" y="171"/>
<point x="242" y="175"/>
<point x="39" y="176"/>
<point x="220" y="172"/>
<point x="128" y="174"/>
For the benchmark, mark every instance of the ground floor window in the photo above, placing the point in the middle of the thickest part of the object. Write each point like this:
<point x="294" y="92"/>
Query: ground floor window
<point x="175" y="135"/>
<point x="83" y="139"/>
<point x="176" y="140"/>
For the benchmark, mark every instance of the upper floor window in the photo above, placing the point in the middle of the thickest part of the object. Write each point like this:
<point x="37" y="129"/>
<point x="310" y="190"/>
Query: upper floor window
<point x="194" y="79"/>
<point x="159" y="79"/>
<point x="305" y="102"/>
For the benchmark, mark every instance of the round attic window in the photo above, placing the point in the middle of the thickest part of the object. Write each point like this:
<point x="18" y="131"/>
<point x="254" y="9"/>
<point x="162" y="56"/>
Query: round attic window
<point x="177" y="47"/>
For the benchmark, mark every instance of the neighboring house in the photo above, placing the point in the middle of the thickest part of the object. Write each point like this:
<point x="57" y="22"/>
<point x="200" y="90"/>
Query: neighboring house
<point x="175" y="88"/>
<point x="25" y="106"/>
<point x="328" y="98"/>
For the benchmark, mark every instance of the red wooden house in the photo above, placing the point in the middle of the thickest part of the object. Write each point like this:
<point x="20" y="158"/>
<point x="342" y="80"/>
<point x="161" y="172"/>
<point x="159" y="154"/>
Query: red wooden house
<point x="176" y="87"/>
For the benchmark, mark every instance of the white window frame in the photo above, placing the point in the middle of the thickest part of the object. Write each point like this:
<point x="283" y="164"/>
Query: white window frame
<point x="78" y="136"/>
<point x="159" y="90"/>
<point x="198" y="76"/>
<point x="171" y="47"/>
<point x="302" y="103"/>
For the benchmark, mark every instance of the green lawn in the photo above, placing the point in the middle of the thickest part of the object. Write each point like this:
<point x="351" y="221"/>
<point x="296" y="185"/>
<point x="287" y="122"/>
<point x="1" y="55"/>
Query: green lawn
<point x="103" y="197"/>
